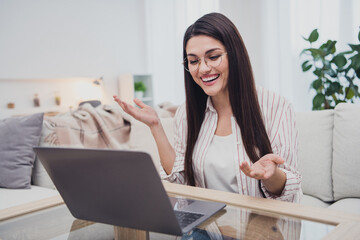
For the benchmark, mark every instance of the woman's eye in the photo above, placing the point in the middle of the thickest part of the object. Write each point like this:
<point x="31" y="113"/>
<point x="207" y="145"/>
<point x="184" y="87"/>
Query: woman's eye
<point x="214" y="58"/>
<point x="193" y="62"/>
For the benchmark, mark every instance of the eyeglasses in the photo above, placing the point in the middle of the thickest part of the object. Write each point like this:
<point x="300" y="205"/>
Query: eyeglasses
<point x="192" y="63"/>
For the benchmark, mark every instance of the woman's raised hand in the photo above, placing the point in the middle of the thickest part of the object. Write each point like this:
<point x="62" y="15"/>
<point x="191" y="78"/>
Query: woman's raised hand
<point x="144" y="113"/>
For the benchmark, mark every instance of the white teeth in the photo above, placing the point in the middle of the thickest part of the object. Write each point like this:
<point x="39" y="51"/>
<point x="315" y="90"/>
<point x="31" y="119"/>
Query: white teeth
<point x="208" y="79"/>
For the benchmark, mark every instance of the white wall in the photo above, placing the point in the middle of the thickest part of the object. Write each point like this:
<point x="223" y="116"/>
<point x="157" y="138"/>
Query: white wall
<point x="93" y="38"/>
<point x="167" y="22"/>
<point x="80" y="38"/>
<point x="162" y="49"/>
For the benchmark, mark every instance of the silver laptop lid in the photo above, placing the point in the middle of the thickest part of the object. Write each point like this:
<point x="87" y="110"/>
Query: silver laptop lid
<point x="116" y="187"/>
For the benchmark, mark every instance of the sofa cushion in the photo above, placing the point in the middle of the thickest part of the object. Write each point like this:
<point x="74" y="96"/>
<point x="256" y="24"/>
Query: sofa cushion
<point x="313" y="201"/>
<point x="349" y="205"/>
<point x="315" y="152"/>
<point x="15" y="197"/>
<point x="39" y="175"/>
<point x="346" y="151"/>
<point x="18" y="136"/>
<point x="142" y="139"/>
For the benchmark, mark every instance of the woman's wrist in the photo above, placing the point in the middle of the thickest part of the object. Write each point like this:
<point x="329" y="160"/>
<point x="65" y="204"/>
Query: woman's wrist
<point x="276" y="183"/>
<point x="155" y="127"/>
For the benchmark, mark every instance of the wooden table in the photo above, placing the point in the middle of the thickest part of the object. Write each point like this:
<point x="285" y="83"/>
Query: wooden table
<point x="243" y="218"/>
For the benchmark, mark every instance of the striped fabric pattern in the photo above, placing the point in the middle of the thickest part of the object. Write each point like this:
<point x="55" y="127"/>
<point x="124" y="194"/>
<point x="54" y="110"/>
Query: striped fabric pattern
<point x="280" y="125"/>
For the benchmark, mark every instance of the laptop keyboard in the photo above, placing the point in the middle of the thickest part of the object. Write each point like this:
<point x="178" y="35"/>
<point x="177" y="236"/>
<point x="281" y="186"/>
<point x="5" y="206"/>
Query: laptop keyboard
<point x="186" y="218"/>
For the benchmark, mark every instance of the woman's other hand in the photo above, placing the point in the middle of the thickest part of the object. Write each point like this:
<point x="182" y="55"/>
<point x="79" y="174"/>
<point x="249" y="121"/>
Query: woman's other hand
<point x="264" y="168"/>
<point x="143" y="113"/>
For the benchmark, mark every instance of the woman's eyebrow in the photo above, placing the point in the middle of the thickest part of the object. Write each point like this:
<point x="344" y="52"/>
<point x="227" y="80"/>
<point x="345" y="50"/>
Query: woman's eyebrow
<point x="207" y="52"/>
<point x="211" y="50"/>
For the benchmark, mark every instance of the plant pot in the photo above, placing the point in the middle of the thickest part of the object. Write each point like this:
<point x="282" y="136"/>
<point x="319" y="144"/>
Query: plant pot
<point x="139" y="94"/>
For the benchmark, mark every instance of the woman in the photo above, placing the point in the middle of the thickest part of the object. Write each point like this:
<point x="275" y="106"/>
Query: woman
<point x="230" y="135"/>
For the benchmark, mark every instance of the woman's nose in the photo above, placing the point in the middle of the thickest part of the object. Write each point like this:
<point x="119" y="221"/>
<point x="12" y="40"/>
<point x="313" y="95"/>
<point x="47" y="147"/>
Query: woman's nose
<point x="203" y="67"/>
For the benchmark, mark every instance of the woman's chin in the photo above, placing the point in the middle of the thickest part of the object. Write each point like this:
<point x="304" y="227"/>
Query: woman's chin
<point x="211" y="92"/>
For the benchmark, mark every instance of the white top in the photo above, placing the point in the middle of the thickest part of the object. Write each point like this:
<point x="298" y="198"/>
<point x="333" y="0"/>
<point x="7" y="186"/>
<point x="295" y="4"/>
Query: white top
<point x="219" y="171"/>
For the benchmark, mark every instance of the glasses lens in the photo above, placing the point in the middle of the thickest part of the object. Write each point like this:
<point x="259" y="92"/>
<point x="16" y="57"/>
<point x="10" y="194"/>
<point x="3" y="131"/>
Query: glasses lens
<point x="192" y="64"/>
<point x="185" y="63"/>
<point x="214" y="59"/>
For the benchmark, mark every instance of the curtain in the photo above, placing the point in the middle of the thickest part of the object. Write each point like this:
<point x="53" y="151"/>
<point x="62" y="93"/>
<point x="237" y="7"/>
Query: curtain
<point x="273" y="32"/>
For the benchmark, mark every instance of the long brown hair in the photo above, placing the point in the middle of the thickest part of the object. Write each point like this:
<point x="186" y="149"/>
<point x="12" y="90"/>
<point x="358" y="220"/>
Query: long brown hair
<point x="241" y="87"/>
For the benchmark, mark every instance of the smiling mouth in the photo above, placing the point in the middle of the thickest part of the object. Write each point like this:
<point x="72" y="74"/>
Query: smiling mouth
<point x="210" y="78"/>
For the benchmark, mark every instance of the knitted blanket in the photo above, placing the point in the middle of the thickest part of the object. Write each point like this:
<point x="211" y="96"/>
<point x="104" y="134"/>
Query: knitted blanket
<point x="88" y="127"/>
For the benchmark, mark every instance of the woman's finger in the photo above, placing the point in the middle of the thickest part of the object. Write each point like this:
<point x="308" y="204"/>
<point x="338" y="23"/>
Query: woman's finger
<point x="278" y="160"/>
<point x="126" y="107"/>
<point x="139" y="103"/>
<point x="244" y="166"/>
<point x="274" y="158"/>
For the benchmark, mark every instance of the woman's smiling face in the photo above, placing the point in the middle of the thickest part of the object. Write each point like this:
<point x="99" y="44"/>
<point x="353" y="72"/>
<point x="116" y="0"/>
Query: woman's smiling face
<point x="212" y="79"/>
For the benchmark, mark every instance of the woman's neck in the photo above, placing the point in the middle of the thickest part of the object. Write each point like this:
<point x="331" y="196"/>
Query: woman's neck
<point x="221" y="104"/>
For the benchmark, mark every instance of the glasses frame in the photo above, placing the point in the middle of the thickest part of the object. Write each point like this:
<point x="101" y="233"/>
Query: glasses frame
<point x="198" y="65"/>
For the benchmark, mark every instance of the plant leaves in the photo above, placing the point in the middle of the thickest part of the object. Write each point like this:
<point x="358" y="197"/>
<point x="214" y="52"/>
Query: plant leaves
<point x="334" y="87"/>
<point x="314" y="35"/>
<point x="316" y="84"/>
<point x="305" y="66"/>
<point x="318" y="72"/>
<point x="350" y="93"/>
<point x="355" y="47"/>
<point x="318" y="100"/>
<point x="347" y="52"/>
<point x="332" y="73"/>
<point x="358" y="73"/>
<point x="304" y="51"/>
<point x="317" y="53"/>
<point x="339" y="60"/>
<point x="329" y="47"/>
<point x="356" y="90"/>
<point x="355" y="62"/>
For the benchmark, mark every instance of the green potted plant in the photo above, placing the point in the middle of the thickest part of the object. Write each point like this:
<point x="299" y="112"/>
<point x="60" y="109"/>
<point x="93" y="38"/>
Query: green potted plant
<point x="139" y="88"/>
<point x="337" y="75"/>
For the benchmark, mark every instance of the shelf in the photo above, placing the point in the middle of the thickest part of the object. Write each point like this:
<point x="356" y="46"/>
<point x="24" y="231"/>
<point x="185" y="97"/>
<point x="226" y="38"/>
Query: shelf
<point x="126" y="88"/>
<point x="28" y="111"/>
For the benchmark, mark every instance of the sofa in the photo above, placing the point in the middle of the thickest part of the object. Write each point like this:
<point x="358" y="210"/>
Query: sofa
<point x="328" y="159"/>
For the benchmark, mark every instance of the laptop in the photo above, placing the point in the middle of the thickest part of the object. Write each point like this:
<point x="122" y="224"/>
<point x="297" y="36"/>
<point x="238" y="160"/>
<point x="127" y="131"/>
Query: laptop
<point x="121" y="188"/>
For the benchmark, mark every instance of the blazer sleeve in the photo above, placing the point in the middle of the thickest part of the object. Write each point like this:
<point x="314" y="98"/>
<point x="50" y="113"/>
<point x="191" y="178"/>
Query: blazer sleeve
<point x="284" y="142"/>
<point x="177" y="173"/>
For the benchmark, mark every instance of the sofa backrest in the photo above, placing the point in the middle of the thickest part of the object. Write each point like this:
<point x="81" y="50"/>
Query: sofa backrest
<point x="315" y="130"/>
<point x="39" y="175"/>
<point x="346" y="151"/>
<point x="142" y="139"/>
<point x="328" y="156"/>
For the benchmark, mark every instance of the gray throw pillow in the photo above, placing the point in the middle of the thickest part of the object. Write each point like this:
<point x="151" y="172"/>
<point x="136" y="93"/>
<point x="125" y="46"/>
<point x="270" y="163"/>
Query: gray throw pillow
<point x="18" y="135"/>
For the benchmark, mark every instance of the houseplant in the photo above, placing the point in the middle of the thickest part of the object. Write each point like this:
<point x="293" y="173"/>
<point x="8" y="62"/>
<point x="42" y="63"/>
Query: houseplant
<point x="139" y="88"/>
<point x="337" y="74"/>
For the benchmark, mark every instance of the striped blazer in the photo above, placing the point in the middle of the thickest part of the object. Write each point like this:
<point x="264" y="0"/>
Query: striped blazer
<point x="279" y="120"/>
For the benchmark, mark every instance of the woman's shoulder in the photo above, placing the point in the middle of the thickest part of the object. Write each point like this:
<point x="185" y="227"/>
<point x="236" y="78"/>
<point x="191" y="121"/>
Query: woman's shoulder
<point x="181" y="112"/>
<point x="270" y="100"/>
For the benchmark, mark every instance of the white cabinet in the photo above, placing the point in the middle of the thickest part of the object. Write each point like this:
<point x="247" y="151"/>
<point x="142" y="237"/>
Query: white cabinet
<point x="126" y="87"/>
